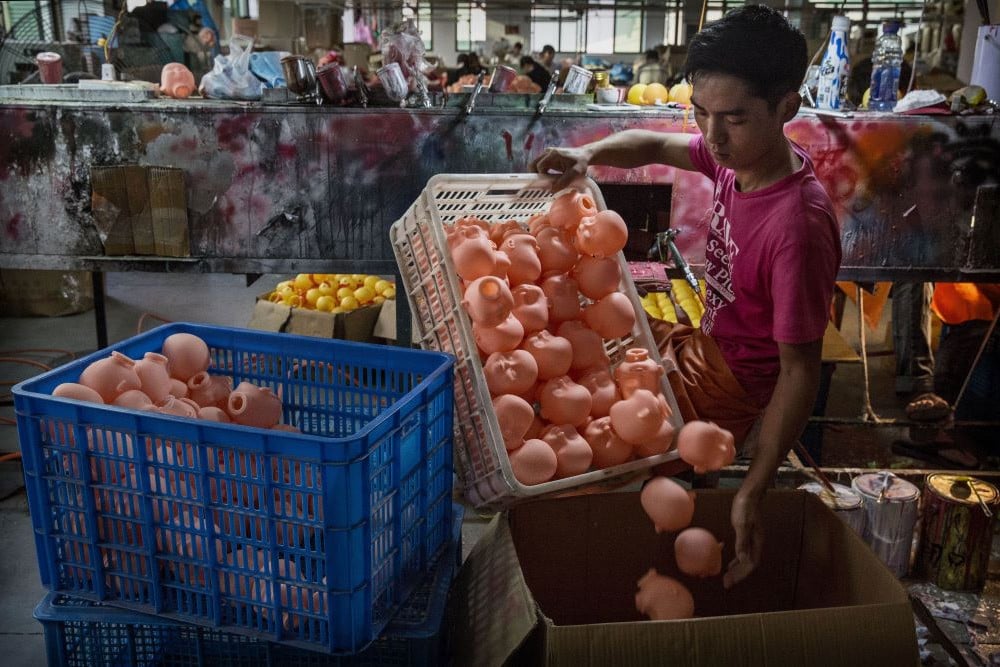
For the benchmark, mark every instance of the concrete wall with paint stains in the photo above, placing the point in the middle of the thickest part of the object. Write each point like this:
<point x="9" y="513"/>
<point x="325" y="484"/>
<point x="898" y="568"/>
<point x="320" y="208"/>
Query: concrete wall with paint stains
<point x="270" y="185"/>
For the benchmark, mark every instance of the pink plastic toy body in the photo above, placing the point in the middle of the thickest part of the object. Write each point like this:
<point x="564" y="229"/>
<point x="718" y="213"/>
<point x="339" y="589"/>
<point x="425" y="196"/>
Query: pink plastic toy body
<point x="612" y="316"/>
<point x="573" y="454"/>
<point x="667" y="504"/>
<point x="534" y="462"/>
<point x="663" y="598"/>
<point x="188" y="355"/>
<point x="177" y="81"/>
<point x="597" y="276"/>
<point x="698" y="553"/>
<point x="510" y="372"/>
<point x="705" y="446"/>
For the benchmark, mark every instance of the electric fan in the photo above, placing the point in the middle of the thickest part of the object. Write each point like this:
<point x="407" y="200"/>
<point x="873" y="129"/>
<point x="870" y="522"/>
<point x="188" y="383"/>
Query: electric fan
<point x="145" y="39"/>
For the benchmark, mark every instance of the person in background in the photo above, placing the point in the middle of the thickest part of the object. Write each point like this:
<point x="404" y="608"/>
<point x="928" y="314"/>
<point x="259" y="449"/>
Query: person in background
<point x="772" y="254"/>
<point x="652" y="70"/>
<point x="966" y="311"/>
<point x="547" y="57"/>
<point x="911" y="338"/>
<point x="513" y="57"/>
<point x="534" y="71"/>
<point x="455" y="74"/>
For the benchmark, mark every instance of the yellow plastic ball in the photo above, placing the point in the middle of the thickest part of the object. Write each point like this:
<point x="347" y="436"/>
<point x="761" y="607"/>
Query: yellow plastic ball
<point x="390" y="293"/>
<point x="635" y="94"/>
<point x="681" y="93"/>
<point x="326" y="288"/>
<point x="379" y="299"/>
<point x="370" y="281"/>
<point x="382" y="285"/>
<point x="293" y="300"/>
<point x="312" y="295"/>
<point x="326" y="303"/>
<point x="345" y="292"/>
<point x="364" y="294"/>
<point x="349" y="303"/>
<point x="303" y="281"/>
<point x="656" y="92"/>
<point x="337" y="309"/>
<point x="283" y="284"/>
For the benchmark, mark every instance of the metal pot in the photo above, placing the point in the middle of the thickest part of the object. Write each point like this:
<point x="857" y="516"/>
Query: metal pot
<point x="300" y="75"/>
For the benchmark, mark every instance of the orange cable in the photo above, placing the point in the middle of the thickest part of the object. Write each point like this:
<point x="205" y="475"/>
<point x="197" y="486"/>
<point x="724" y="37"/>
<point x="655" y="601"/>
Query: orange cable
<point x="13" y="456"/>
<point x="38" y="349"/>
<point x="27" y="362"/>
<point x="142" y="318"/>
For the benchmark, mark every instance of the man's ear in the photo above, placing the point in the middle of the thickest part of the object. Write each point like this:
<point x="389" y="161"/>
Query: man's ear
<point x="789" y="106"/>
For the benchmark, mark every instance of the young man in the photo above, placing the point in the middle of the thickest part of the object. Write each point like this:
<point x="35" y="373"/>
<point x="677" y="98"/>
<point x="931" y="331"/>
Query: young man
<point x="547" y="57"/>
<point x="773" y="247"/>
<point x="534" y="71"/>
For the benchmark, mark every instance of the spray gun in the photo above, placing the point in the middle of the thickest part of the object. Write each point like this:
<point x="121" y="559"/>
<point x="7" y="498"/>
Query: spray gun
<point x="471" y="104"/>
<point x="663" y="245"/>
<point x="553" y="83"/>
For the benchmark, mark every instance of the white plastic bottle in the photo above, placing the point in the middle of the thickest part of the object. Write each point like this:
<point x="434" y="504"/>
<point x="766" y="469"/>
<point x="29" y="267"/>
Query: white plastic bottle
<point x="835" y="68"/>
<point x="886" y="61"/>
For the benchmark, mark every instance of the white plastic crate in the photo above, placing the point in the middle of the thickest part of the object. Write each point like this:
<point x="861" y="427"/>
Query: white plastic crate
<point x="432" y="287"/>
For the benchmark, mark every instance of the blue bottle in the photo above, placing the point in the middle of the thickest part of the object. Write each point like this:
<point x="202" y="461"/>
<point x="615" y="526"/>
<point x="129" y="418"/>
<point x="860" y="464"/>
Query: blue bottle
<point x="886" y="60"/>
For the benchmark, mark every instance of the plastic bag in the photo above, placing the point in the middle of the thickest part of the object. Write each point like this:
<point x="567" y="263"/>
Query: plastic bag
<point x="231" y="78"/>
<point x="402" y="44"/>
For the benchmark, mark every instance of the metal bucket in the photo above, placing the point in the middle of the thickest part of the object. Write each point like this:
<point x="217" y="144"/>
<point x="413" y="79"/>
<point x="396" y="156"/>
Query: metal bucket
<point x="847" y="504"/>
<point x="890" y="507"/>
<point x="958" y="519"/>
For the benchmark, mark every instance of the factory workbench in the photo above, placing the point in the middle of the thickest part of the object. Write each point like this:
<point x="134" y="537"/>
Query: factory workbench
<point x="288" y="188"/>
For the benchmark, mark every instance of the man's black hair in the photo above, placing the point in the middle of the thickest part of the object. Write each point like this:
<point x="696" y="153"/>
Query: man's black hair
<point x="755" y="44"/>
<point x="652" y="55"/>
<point x="548" y="48"/>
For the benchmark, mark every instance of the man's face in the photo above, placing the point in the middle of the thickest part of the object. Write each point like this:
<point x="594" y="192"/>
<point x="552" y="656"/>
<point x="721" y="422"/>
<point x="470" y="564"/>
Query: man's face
<point x="739" y="129"/>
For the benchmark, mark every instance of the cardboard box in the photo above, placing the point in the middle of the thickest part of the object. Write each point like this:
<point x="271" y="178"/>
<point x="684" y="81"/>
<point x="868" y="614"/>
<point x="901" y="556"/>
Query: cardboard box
<point x="140" y="210"/>
<point x="357" y="325"/>
<point x="553" y="582"/>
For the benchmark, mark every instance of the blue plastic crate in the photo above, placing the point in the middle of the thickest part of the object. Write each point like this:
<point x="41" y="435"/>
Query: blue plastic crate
<point x="310" y="539"/>
<point x="79" y="633"/>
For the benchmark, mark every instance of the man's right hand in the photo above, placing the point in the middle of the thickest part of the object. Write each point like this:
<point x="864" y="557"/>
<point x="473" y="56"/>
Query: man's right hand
<point x="564" y="165"/>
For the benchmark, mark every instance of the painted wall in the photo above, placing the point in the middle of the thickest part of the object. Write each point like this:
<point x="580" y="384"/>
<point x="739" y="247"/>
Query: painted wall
<point x="270" y="185"/>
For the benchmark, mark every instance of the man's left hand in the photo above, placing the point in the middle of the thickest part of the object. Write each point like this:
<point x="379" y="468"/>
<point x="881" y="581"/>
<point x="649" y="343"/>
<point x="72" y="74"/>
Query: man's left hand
<point x="749" y="539"/>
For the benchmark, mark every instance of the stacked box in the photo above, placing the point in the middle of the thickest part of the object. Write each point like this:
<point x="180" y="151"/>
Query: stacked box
<point x="84" y="633"/>
<point x="313" y="539"/>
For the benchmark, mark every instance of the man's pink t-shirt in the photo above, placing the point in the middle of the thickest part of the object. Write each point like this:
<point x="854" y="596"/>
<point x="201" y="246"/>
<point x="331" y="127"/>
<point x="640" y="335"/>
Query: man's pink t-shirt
<point x="770" y="264"/>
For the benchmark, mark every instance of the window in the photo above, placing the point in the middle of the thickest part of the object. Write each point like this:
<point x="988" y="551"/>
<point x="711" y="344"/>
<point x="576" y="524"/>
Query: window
<point x="628" y="30"/>
<point x="600" y="29"/>
<point x="421" y="15"/>
<point x="244" y="9"/>
<point x="470" y="27"/>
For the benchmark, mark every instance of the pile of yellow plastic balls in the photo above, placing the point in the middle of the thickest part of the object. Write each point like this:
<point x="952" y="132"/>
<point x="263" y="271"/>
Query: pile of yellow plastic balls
<point x="333" y="292"/>
<point x="664" y="305"/>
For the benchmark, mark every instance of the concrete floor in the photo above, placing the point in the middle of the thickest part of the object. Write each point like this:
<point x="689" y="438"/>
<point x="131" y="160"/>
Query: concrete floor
<point x="226" y="300"/>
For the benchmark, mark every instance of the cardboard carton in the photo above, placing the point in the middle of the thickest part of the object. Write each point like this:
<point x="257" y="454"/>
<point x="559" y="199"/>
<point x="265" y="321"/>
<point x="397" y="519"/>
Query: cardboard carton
<point x="553" y="582"/>
<point x="140" y="210"/>
<point x="357" y="325"/>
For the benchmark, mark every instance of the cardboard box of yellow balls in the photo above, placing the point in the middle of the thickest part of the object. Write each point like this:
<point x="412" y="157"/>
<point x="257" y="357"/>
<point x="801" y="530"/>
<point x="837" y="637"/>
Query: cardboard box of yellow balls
<point x="327" y="305"/>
